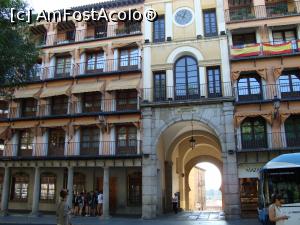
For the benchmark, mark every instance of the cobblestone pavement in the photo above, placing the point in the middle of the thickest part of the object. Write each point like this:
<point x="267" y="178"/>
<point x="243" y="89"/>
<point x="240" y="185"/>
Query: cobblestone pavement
<point x="185" y="218"/>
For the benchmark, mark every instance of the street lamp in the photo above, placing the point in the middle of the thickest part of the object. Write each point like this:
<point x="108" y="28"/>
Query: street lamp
<point x="192" y="140"/>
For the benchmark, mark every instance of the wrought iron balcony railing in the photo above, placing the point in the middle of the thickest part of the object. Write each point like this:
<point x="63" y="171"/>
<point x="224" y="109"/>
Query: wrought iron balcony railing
<point x="268" y="141"/>
<point x="270" y="10"/>
<point x="257" y="93"/>
<point x="75" y="149"/>
<point x="190" y="92"/>
<point x="103" y="31"/>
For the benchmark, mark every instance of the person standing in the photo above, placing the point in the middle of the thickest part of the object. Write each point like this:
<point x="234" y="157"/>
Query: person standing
<point x="175" y="203"/>
<point x="276" y="217"/>
<point x="100" y="204"/>
<point x="63" y="211"/>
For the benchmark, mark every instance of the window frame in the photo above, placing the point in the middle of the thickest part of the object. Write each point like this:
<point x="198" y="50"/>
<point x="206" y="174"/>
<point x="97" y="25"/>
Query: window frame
<point x="28" y="136"/>
<point x="215" y="83"/>
<point x="210" y="33"/>
<point x="28" y="103"/>
<point x="292" y="123"/>
<point x="129" y="58"/>
<point x="96" y="56"/>
<point x="162" y="89"/>
<point x="159" y="28"/>
<point x="65" y="69"/>
<point x="56" y="105"/>
<point x="23" y="180"/>
<point x="292" y="93"/>
<point x="92" y="98"/>
<point x="249" y="96"/>
<point x="47" y="183"/>
<point x="90" y="147"/>
<point x="56" y="148"/>
<point x="137" y="179"/>
<point x="130" y="144"/>
<point x="126" y="96"/>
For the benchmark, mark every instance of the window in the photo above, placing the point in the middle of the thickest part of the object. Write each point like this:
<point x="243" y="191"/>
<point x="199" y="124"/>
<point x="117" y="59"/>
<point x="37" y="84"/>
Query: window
<point x="284" y="36"/>
<point x="289" y="83"/>
<point x="1" y="148"/>
<point x="70" y="34"/>
<point x="56" y="142"/>
<point x="159" y="86"/>
<point x="101" y="30"/>
<point x="276" y="8"/>
<point x="210" y="23"/>
<point x="59" y="105"/>
<point x="95" y="62"/>
<point x="239" y="2"/>
<point x="3" y="109"/>
<point x="126" y="100"/>
<point x="254" y="133"/>
<point x="292" y="131"/>
<point x="129" y="59"/>
<point x="243" y="39"/>
<point x="26" y="143"/>
<point x="91" y="102"/>
<point x="48" y="187"/>
<point x="126" y="139"/>
<point x="20" y="183"/>
<point x="249" y="88"/>
<point x="79" y="183"/>
<point x="28" y="107"/>
<point x="63" y="67"/>
<point x="159" y="29"/>
<point x="135" y="189"/>
<point x="249" y="195"/>
<point x="89" y="144"/>
<point x="186" y="78"/>
<point x="214" y="82"/>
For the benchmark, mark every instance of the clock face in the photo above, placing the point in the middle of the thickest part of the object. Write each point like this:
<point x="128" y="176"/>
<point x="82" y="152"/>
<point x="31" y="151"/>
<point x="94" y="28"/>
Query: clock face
<point x="183" y="17"/>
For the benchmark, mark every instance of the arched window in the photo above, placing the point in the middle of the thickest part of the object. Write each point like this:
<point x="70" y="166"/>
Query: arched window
<point x="292" y="131"/>
<point x="254" y="133"/>
<point x="48" y="187"/>
<point x="20" y="183"/>
<point x="289" y="83"/>
<point x="249" y="88"/>
<point x="186" y="78"/>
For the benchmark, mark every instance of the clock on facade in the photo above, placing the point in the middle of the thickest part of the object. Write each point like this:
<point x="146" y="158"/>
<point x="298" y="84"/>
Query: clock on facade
<point x="183" y="16"/>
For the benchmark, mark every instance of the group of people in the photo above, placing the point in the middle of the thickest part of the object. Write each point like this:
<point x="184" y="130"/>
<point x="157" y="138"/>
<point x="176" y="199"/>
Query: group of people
<point x="88" y="203"/>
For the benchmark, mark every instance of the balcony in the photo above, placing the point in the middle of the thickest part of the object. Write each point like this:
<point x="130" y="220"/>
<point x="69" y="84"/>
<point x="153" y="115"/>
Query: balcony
<point x="92" y="33"/>
<point x="192" y="93"/>
<point x="269" y="141"/>
<point x="270" y="10"/>
<point x="264" y="49"/>
<point x="75" y="149"/>
<point x="267" y="92"/>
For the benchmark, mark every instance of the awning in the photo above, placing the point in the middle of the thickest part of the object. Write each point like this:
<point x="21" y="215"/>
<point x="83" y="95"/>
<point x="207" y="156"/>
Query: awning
<point x="114" y="120"/>
<point x="26" y="93"/>
<point x="88" y="87"/>
<point x="55" y="91"/>
<point x="24" y="124"/>
<point x="241" y="116"/>
<point x="94" y="47"/>
<point x="86" y="122"/>
<point x="123" y="84"/>
<point x="262" y="72"/>
<point x="123" y="44"/>
<point x="55" y="123"/>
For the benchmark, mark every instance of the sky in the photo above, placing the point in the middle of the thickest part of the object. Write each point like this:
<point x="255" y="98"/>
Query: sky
<point x="48" y="5"/>
<point x="213" y="177"/>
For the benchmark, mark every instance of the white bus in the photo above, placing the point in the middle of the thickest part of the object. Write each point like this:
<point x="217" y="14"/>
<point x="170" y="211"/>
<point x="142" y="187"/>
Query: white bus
<point x="281" y="176"/>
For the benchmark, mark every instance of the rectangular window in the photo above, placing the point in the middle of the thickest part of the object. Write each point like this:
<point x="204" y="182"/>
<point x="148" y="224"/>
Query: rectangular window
<point x="28" y="107"/>
<point x="63" y="67"/>
<point x="101" y="30"/>
<point x="20" y="183"/>
<point x="91" y="102"/>
<point x="89" y="144"/>
<point x="126" y="100"/>
<point x="210" y="23"/>
<point x="214" y="82"/>
<point x="56" y="142"/>
<point x="283" y="36"/>
<point x="95" y="62"/>
<point x="25" y="143"/>
<point x="59" y="105"/>
<point x="129" y="59"/>
<point x="243" y="39"/>
<point x="159" y="29"/>
<point x="160" y="86"/>
<point x="135" y="189"/>
<point x="126" y="140"/>
<point x="3" y="109"/>
<point x="48" y="187"/>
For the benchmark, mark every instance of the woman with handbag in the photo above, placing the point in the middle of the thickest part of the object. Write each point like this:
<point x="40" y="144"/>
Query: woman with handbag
<point x="276" y="217"/>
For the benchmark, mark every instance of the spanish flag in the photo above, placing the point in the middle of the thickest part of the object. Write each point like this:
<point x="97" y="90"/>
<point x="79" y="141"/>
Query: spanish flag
<point x="275" y="49"/>
<point x="245" y="50"/>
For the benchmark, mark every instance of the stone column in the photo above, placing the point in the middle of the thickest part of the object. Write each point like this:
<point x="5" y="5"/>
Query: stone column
<point x="106" y="193"/>
<point x="198" y="19"/>
<point x="36" y="192"/>
<point x="5" y="192"/>
<point x="230" y="173"/>
<point x="169" y="21"/>
<point x="148" y="28"/>
<point x="70" y="186"/>
<point x="220" y="16"/>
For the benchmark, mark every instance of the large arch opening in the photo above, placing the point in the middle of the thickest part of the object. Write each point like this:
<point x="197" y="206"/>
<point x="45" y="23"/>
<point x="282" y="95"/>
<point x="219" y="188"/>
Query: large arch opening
<point x="178" y="158"/>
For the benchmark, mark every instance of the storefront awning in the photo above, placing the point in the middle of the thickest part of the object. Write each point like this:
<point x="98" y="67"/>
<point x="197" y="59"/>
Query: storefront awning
<point x="55" y="91"/>
<point x="27" y="93"/>
<point x="88" y="87"/>
<point x="86" y="122"/>
<point x="132" y="119"/>
<point x="24" y="124"/>
<point x="123" y="84"/>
